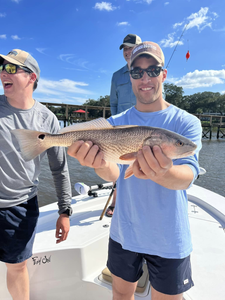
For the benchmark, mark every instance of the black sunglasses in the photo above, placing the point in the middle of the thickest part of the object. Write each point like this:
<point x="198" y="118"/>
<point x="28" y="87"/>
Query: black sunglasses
<point x="12" y="69"/>
<point x="152" y="71"/>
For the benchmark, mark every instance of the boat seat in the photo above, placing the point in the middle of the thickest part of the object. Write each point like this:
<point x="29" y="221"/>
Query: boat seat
<point x="142" y="282"/>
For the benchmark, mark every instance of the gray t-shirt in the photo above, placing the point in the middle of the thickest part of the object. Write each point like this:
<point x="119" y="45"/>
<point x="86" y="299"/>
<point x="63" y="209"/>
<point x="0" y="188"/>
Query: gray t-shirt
<point x="19" y="179"/>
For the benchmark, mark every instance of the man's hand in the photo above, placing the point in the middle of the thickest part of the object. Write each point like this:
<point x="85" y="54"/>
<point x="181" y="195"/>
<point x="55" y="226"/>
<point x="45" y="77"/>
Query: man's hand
<point x="87" y="154"/>
<point x="62" y="228"/>
<point x="90" y="156"/>
<point x="151" y="164"/>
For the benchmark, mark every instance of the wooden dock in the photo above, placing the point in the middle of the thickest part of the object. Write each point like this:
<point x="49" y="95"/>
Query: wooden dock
<point x="212" y="122"/>
<point x="69" y="116"/>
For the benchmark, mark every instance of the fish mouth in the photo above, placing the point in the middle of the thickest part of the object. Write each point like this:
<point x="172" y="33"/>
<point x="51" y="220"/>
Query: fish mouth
<point x="189" y="153"/>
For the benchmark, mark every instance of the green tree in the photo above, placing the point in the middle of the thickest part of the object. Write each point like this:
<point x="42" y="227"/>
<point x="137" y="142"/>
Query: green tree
<point x="220" y="104"/>
<point x="174" y="94"/>
<point x="206" y="102"/>
<point x="102" y="102"/>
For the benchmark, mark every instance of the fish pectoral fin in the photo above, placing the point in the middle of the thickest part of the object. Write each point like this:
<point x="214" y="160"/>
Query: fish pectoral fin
<point x="96" y="124"/>
<point x="129" y="156"/>
<point x="129" y="172"/>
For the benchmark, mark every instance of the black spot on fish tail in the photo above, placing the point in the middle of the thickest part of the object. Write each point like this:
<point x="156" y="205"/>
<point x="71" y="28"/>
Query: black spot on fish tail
<point x="41" y="136"/>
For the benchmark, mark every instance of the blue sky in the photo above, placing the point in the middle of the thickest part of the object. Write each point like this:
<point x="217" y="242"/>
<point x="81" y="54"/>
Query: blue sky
<point x="76" y="43"/>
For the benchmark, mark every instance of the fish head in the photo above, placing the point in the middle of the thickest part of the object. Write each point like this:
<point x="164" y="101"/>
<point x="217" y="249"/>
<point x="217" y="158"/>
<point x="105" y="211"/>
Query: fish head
<point x="172" y="144"/>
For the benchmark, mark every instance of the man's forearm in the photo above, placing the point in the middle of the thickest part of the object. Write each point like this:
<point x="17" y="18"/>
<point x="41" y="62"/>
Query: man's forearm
<point x="110" y="172"/>
<point x="177" y="178"/>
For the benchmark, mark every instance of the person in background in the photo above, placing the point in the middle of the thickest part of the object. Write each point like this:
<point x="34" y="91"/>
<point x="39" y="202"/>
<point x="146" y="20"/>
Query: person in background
<point x="19" y="74"/>
<point x="121" y="95"/>
<point x="150" y="221"/>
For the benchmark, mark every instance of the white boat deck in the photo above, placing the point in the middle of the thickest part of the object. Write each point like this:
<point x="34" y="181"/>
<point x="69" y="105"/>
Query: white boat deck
<point x="72" y="269"/>
<point x="208" y="237"/>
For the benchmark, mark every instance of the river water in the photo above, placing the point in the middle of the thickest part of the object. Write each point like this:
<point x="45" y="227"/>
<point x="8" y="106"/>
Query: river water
<point x="212" y="158"/>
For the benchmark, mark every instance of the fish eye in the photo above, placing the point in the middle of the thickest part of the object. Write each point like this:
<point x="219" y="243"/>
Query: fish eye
<point x="41" y="136"/>
<point x="179" y="143"/>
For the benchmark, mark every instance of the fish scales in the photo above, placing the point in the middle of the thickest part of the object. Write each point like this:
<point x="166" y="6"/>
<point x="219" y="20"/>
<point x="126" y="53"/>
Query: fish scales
<point x="113" y="142"/>
<point x="119" y="144"/>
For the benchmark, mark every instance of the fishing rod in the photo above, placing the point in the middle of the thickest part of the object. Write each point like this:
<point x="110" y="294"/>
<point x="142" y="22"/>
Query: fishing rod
<point x="177" y="44"/>
<point x="84" y="189"/>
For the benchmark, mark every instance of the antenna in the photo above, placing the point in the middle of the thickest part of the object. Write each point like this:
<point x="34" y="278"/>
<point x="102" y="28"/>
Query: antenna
<point x="177" y="44"/>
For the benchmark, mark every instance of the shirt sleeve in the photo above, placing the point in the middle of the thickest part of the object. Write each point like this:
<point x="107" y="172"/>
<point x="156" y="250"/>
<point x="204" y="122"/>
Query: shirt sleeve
<point x="60" y="172"/>
<point x="192" y="131"/>
<point x="59" y="168"/>
<point x="113" y="97"/>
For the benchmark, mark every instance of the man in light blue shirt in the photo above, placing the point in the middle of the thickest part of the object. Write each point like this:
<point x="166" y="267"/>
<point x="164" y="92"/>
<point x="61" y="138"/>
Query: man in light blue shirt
<point x="150" y="221"/>
<point x="121" y="94"/>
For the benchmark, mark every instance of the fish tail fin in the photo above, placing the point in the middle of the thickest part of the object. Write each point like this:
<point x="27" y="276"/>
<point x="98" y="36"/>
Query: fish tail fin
<point x="30" y="142"/>
<point x="129" y="172"/>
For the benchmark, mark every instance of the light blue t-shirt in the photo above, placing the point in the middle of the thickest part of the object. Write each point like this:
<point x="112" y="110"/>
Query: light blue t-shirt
<point x="149" y="218"/>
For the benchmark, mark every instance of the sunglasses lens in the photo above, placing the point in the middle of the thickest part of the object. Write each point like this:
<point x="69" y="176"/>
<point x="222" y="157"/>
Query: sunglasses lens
<point x="11" y="69"/>
<point x="137" y="73"/>
<point x="153" y="71"/>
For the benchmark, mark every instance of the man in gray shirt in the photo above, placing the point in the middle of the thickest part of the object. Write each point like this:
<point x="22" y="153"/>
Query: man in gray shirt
<point x="19" y="74"/>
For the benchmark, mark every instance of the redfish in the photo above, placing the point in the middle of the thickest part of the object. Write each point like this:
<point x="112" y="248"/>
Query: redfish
<point x="119" y="144"/>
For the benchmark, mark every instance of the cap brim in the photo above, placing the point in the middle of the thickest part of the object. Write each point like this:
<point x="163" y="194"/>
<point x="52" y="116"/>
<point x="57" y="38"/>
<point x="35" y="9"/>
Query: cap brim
<point x="11" y="60"/>
<point x="128" y="45"/>
<point x="151" y="55"/>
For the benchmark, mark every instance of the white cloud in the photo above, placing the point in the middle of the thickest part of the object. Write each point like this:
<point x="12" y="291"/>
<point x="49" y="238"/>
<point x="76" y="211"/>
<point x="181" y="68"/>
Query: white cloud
<point x="204" y="78"/>
<point x="65" y="100"/>
<point x="82" y="64"/>
<point x="2" y="15"/>
<point x="123" y="24"/>
<point x="41" y="50"/>
<point x="3" y="36"/>
<point x="15" y="37"/>
<point x="104" y="6"/>
<point x="148" y="1"/>
<point x="177" y="25"/>
<point x="62" y="91"/>
<point x="223" y="92"/>
<point x="17" y="1"/>
<point x="170" y="42"/>
<point x="61" y="87"/>
<point x="220" y="29"/>
<point x="201" y="19"/>
<point x="145" y="1"/>
<point x="166" y="3"/>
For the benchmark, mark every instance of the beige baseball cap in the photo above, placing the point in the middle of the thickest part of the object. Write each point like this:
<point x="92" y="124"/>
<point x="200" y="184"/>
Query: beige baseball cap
<point x="131" y="40"/>
<point x="21" y="58"/>
<point x="149" y="48"/>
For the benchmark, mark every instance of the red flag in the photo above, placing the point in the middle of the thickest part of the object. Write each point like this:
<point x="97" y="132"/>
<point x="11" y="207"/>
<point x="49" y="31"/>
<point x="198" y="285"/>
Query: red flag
<point x="187" y="55"/>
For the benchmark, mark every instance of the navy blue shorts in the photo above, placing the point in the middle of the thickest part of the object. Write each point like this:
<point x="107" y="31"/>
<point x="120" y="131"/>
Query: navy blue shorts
<point x="167" y="276"/>
<point x="17" y="231"/>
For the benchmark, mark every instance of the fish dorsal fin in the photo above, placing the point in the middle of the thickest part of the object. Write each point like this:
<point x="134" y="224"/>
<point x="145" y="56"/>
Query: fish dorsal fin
<point x="124" y="126"/>
<point x="90" y="125"/>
